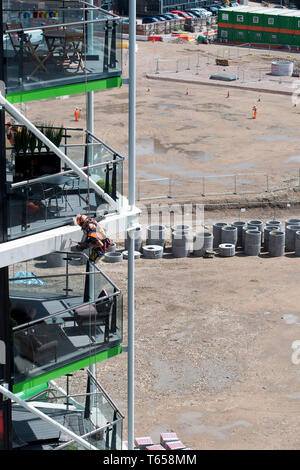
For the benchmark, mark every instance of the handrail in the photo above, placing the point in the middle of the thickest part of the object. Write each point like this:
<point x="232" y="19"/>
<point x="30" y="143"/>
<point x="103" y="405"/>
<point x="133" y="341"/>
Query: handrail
<point x="76" y="274"/>
<point x="91" y="433"/>
<point x="52" y="315"/>
<point x="109" y="16"/>
<point x="45" y="178"/>
<point x="109" y="399"/>
<point x="104" y="144"/>
<point x="55" y="25"/>
<point x="21" y="118"/>
<point x="44" y="417"/>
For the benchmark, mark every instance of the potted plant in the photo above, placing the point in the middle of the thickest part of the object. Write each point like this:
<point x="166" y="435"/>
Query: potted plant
<point x="102" y="183"/>
<point x="33" y="158"/>
<point x="21" y="145"/>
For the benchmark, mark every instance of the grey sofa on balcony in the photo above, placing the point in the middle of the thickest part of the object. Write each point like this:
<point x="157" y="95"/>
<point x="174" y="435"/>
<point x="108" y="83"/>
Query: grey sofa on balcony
<point x="94" y="315"/>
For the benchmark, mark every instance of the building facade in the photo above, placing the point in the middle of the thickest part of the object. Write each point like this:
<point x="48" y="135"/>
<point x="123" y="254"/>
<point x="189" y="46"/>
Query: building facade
<point x="156" y="7"/>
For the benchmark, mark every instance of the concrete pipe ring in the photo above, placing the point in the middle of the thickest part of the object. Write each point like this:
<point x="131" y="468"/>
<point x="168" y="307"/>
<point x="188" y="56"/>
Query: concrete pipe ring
<point x="217" y="233"/>
<point x="276" y="243"/>
<point x="229" y="234"/>
<point x="227" y="249"/>
<point x="137" y="254"/>
<point x="256" y="223"/>
<point x="113" y="257"/>
<point x="152" y="251"/>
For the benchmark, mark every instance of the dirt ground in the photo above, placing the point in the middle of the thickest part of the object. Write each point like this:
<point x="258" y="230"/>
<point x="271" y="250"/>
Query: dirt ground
<point x="213" y="336"/>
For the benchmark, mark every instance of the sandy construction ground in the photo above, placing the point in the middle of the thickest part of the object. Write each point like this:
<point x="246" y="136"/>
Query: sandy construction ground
<point x="213" y="336"/>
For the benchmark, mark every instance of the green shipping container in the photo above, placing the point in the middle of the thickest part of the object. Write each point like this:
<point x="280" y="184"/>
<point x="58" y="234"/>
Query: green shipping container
<point x="271" y="18"/>
<point x="225" y="34"/>
<point x="240" y="35"/>
<point x="272" y="38"/>
<point x="239" y="17"/>
<point x="224" y="15"/>
<point x="294" y="26"/>
<point x="285" y="20"/>
<point x="256" y="18"/>
<point x="256" y="37"/>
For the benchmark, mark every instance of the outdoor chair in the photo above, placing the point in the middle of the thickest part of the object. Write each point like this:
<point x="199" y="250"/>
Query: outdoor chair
<point x="37" y="348"/>
<point x="41" y="193"/>
<point x="90" y="315"/>
<point x="70" y="188"/>
<point x="24" y="48"/>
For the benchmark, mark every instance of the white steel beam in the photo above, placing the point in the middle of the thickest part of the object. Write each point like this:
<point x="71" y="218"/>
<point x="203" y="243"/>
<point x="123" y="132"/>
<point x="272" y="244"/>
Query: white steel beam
<point x="59" y="239"/>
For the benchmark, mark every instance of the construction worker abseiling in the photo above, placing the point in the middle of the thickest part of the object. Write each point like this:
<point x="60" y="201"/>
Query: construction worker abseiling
<point x="94" y="237"/>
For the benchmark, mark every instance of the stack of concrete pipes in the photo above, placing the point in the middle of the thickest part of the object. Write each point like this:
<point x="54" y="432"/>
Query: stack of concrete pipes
<point x="251" y="237"/>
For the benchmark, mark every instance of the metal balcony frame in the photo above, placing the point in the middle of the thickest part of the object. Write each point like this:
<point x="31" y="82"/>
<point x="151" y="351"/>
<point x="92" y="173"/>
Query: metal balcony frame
<point x="32" y="409"/>
<point x="108" y="17"/>
<point x="109" y="296"/>
<point x="19" y="117"/>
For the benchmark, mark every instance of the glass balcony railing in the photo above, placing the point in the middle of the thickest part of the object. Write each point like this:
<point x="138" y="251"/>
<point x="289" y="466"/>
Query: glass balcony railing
<point x="43" y="193"/>
<point x="63" y="318"/>
<point x="57" y="43"/>
<point x="93" y="416"/>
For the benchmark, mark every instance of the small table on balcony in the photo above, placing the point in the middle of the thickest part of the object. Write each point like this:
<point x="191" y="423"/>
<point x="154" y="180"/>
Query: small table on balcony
<point x="69" y="46"/>
<point x="60" y="185"/>
<point x="55" y="321"/>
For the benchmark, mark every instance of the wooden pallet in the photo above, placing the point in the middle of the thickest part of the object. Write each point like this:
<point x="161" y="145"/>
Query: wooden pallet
<point x="223" y="62"/>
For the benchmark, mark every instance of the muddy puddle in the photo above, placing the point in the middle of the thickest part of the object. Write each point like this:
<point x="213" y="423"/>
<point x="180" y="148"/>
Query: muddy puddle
<point x="150" y="147"/>
<point x="294" y="158"/>
<point x="276" y="138"/>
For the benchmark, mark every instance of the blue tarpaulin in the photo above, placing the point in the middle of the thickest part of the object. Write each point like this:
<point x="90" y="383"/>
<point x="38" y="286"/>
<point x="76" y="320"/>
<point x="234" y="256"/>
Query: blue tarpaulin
<point x="34" y="281"/>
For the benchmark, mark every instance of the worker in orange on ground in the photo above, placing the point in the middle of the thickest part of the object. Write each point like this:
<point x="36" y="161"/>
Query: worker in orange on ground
<point x="94" y="237"/>
<point x="254" y="112"/>
<point x="76" y="114"/>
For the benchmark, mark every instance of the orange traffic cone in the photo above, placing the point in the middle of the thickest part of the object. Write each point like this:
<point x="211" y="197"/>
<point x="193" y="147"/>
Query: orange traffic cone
<point x="76" y="114"/>
<point x="228" y="94"/>
<point x="259" y="99"/>
<point x="187" y="92"/>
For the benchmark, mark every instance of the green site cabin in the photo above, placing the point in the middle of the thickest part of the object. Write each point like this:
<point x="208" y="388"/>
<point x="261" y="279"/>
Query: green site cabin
<point x="271" y="20"/>
<point x="224" y="16"/>
<point x="240" y="35"/>
<point x="64" y="90"/>
<point x="255" y="37"/>
<point x="67" y="369"/>
<point x="269" y="26"/>
<point x="226" y="34"/>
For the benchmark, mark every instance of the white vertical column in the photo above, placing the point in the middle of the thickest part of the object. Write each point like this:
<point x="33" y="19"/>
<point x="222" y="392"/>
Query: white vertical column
<point x="131" y="198"/>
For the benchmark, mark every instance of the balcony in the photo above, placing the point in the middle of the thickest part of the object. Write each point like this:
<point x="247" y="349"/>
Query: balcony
<point x="92" y="416"/>
<point x="64" y="43"/>
<point x="62" y="320"/>
<point x="43" y="193"/>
